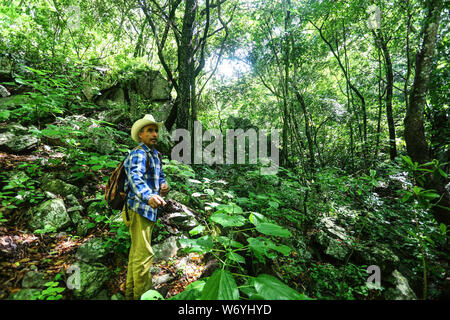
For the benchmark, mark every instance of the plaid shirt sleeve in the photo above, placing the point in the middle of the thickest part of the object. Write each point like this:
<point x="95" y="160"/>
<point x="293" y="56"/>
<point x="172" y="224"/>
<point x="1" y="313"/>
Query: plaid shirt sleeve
<point x="162" y="177"/>
<point x="142" y="183"/>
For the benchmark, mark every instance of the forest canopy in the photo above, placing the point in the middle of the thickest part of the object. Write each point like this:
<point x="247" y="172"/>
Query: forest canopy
<point x="357" y="90"/>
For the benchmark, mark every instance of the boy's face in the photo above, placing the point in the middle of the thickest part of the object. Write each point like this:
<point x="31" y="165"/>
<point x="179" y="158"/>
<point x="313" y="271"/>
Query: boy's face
<point x="149" y="135"/>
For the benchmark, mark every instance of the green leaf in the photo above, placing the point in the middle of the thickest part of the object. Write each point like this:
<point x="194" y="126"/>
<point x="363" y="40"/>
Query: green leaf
<point x="283" y="249"/>
<point x="260" y="248"/>
<point x="256" y="218"/>
<point x="197" y="230"/>
<point x="220" y="286"/>
<point x="152" y="295"/>
<point x="273" y="230"/>
<point x="233" y="256"/>
<point x="201" y="245"/>
<point x="270" y="288"/>
<point x="408" y="160"/>
<point x="274" y="204"/>
<point x="192" y="291"/>
<point x="228" y="221"/>
<point x="229" y="208"/>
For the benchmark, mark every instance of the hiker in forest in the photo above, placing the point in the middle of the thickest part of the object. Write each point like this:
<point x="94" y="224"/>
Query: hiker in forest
<point x="146" y="187"/>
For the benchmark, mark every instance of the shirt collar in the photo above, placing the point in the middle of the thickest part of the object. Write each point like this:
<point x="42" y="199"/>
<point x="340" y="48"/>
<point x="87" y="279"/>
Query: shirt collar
<point x="148" y="150"/>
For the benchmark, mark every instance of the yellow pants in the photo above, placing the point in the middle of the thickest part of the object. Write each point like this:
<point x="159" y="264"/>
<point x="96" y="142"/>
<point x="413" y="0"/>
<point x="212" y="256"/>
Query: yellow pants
<point x="139" y="278"/>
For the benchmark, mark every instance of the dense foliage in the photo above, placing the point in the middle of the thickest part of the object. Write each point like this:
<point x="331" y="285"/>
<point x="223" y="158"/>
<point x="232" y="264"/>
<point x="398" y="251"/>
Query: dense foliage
<point x="344" y="82"/>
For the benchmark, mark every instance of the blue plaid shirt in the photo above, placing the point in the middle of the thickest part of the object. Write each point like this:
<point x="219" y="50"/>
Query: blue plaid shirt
<point x="140" y="184"/>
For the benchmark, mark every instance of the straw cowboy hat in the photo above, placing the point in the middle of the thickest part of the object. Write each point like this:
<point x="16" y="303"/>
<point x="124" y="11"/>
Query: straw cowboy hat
<point x="139" y="124"/>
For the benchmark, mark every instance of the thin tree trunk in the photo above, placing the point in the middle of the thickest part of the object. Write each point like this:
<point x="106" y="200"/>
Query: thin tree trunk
<point x="389" y="94"/>
<point x="185" y="60"/>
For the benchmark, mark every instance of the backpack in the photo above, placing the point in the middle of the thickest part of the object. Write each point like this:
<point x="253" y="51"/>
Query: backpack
<point x="115" y="194"/>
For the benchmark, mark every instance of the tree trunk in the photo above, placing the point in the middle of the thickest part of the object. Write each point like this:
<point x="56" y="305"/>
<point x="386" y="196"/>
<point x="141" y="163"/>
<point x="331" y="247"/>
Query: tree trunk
<point x="416" y="143"/>
<point x="389" y="94"/>
<point x="186" y="60"/>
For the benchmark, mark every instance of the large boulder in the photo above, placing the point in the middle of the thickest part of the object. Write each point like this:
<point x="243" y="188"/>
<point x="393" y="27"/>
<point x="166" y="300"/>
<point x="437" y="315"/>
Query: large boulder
<point x="332" y="239"/>
<point x="51" y="213"/>
<point x="377" y="254"/>
<point x="34" y="279"/>
<point x="6" y="68"/>
<point x="25" y="294"/>
<point x="92" y="278"/>
<point x="4" y="92"/>
<point x="402" y="290"/>
<point x="57" y="186"/>
<point x="166" y="249"/>
<point x="15" y="138"/>
<point x="91" y="251"/>
<point x="178" y="216"/>
<point x="149" y="85"/>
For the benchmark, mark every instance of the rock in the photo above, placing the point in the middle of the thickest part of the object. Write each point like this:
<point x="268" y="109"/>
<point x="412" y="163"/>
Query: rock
<point x="337" y="249"/>
<point x="182" y="220"/>
<point x="34" y="279"/>
<point x="50" y="213"/>
<point x="101" y="143"/>
<point x="402" y="290"/>
<point x="155" y="270"/>
<point x="94" y="208"/>
<point x="6" y="67"/>
<point x="74" y="208"/>
<point x="57" y="186"/>
<point x="25" y="294"/>
<point x="166" y="249"/>
<point x="50" y="195"/>
<point x="75" y="214"/>
<point x="91" y="251"/>
<point x="333" y="229"/>
<point x="15" y="138"/>
<point x="92" y="278"/>
<point x="378" y="254"/>
<point x="332" y="239"/>
<point x="4" y="92"/>
<point x="160" y="87"/>
<point x="83" y="227"/>
<point x="162" y="279"/>
<point x="72" y="201"/>
<point x="177" y="215"/>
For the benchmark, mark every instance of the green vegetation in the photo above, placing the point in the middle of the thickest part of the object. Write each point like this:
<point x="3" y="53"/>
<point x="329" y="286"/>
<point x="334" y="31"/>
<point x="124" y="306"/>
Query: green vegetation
<point x="363" y="176"/>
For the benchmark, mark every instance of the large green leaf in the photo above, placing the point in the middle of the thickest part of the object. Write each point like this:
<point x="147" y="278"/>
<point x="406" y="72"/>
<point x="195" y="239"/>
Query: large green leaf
<point x="257" y="218"/>
<point x="260" y="248"/>
<point x="235" y="257"/>
<point x="220" y="286"/>
<point x="201" y="245"/>
<point x="270" y="288"/>
<point x="192" y="291"/>
<point x="152" y="295"/>
<point x="229" y="208"/>
<point x="272" y="229"/>
<point x="227" y="220"/>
